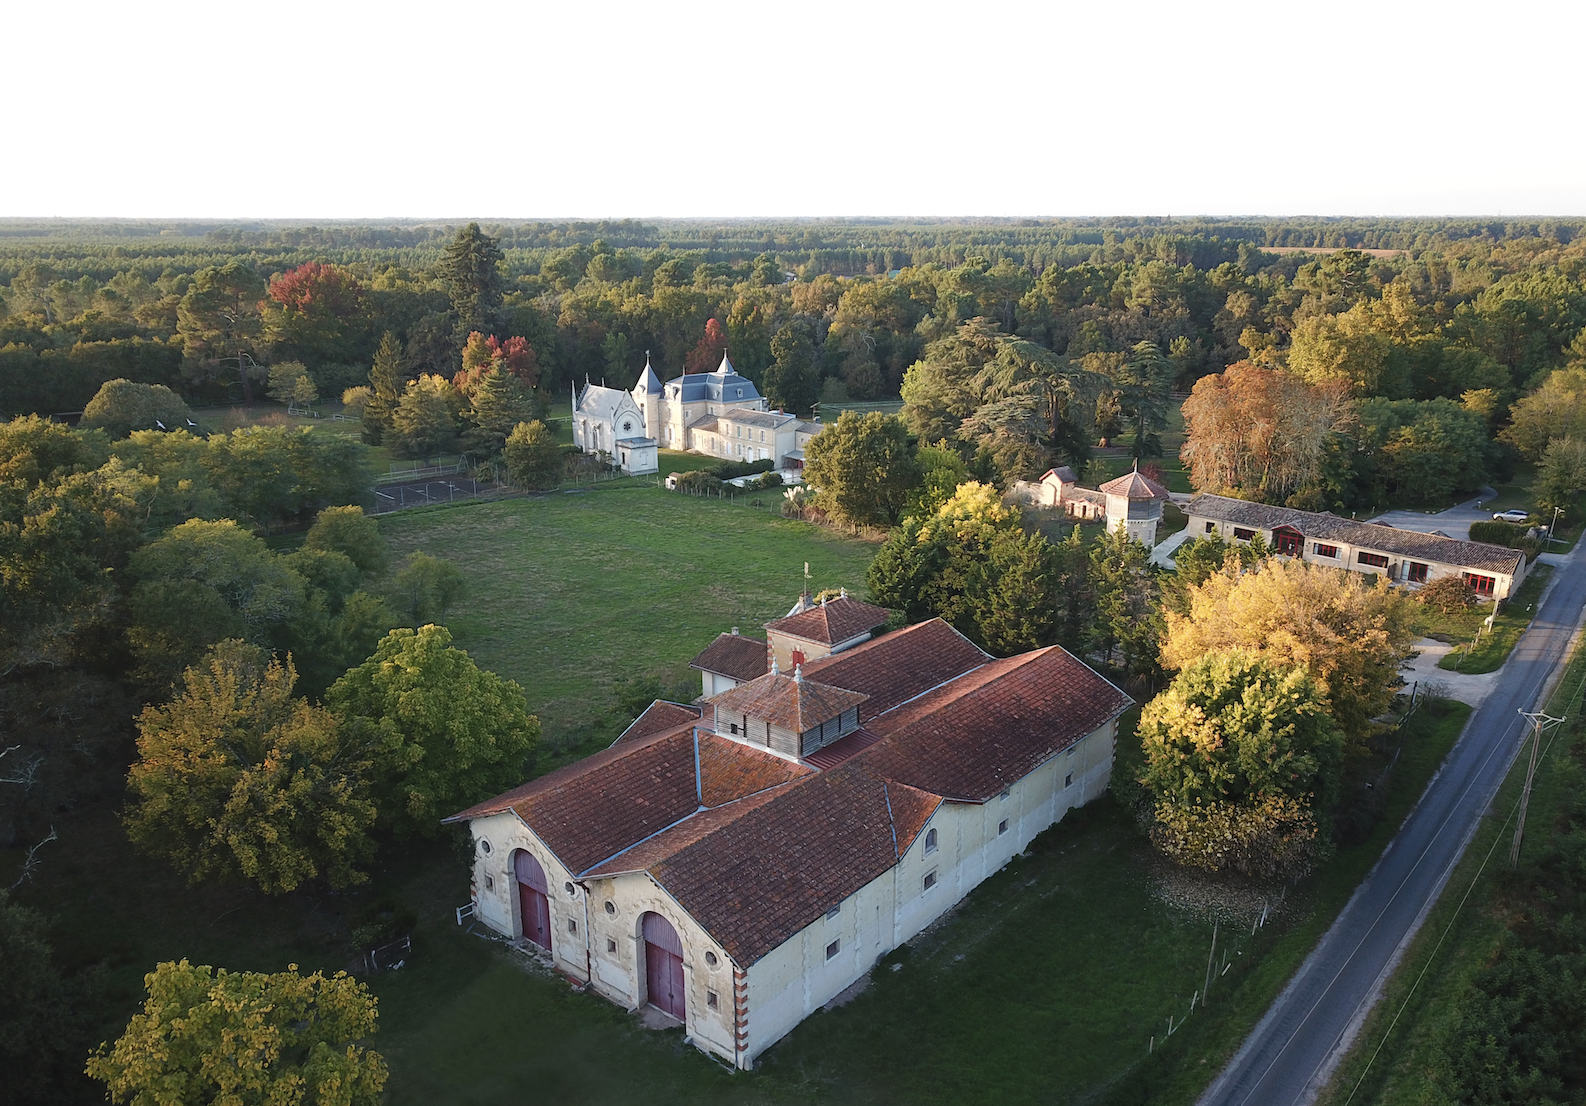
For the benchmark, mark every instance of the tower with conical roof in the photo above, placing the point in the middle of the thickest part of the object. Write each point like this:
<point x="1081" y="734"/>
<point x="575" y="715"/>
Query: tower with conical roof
<point x="647" y="395"/>
<point x="1136" y="502"/>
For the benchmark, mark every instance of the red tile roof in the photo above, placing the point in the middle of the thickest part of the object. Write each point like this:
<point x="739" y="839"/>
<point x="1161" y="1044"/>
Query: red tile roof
<point x="659" y="717"/>
<point x="1134" y="486"/>
<point x="898" y="666"/>
<point x="791" y="702"/>
<point x="756" y="873"/>
<point x="756" y="847"/>
<point x="588" y="811"/>
<point x="976" y="735"/>
<point x="830" y="756"/>
<point x="832" y="622"/>
<point x="742" y="658"/>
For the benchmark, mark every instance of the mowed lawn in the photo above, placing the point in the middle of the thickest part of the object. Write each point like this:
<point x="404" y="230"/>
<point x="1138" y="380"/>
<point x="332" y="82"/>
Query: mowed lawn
<point x="571" y="592"/>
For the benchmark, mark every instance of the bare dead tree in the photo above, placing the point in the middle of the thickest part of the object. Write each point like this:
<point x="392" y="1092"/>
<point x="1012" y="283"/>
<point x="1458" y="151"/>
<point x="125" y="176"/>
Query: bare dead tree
<point x="30" y="863"/>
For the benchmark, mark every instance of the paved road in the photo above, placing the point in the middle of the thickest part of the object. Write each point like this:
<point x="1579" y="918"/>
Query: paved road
<point x="1294" y="1048"/>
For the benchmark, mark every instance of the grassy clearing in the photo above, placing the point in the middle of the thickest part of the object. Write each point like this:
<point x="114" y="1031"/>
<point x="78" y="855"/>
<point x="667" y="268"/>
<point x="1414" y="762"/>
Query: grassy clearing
<point x="572" y="591"/>
<point x="1395" y="1058"/>
<point x="1488" y="651"/>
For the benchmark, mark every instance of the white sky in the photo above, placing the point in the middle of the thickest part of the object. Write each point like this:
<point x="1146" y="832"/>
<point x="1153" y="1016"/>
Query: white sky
<point x="329" y="109"/>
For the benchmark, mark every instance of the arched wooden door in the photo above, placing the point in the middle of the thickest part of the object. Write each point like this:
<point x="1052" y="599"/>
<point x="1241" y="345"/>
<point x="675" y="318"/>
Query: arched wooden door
<point x="663" y="966"/>
<point x="533" y="904"/>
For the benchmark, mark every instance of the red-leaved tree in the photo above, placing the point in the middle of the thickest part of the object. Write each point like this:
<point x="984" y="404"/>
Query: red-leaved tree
<point x="315" y="288"/>
<point x="482" y="353"/>
<point x="707" y="355"/>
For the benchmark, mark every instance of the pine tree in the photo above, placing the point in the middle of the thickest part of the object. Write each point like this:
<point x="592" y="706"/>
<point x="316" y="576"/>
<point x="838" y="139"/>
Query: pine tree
<point x="471" y="271"/>
<point x="1128" y="621"/>
<point x="498" y="404"/>
<point x="386" y="379"/>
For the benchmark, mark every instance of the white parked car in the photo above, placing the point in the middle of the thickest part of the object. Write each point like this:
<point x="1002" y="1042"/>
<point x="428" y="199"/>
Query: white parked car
<point x="1510" y="516"/>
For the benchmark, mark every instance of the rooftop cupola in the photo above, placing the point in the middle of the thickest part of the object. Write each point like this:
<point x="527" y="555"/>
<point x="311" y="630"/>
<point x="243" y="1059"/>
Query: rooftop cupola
<point x="790" y="715"/>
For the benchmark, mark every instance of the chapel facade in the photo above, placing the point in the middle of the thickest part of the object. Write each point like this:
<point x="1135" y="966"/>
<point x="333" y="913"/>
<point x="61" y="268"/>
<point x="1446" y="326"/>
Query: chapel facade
<point x="720" y="413"/>
<point x="739" y="861"/>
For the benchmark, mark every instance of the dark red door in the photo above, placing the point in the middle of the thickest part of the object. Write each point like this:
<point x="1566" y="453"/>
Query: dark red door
<point x="533" y="906"/>
<point x="663" y="966"/>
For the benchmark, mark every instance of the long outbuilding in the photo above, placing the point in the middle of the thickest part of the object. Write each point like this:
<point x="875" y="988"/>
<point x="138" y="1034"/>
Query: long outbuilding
<point x="1406" y="557"/>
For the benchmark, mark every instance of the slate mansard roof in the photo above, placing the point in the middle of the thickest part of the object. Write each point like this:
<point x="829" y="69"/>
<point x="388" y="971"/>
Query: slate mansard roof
<point x="742" y="658"/>
<point x="1476" y="556"/>
<point x="723" y="385"/>
<point x="756" y="846"/>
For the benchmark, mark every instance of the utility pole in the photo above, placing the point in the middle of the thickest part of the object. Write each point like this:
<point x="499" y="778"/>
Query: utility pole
<point x="1539" y="722"/>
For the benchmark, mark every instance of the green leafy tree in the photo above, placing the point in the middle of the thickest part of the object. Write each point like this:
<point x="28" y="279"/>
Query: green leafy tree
<point x="1128" y="615"/>
<point x="533" y="456"/>
<point x="120" y="407"/>
<point x="1145" y="385"/>
<point x="942" y="471"/>
<point x="246" y="1039"/>
<point x="426" y="587"/>
<point x="1240" y="754"/>
<point x="278" y="474"/>
<point x="291" y="384"/>
<point x="45" y="1016"/>
<point x="1562" y="475"/>
<point x="347" y="530"/>
<point x="792" y="380"/>
<point x="178" y="461"/>
<point x="445" y="732"/>
<point x="206" y="582"/>
<point x="234" y="776"/>
<point x="470" y="269"/>
<point x="864" y="469"/>
<point x="426" y="420"/>
<point x="218" y="322"/>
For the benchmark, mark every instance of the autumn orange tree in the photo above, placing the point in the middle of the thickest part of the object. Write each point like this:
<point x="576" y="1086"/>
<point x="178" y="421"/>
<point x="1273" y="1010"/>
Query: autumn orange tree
<point x="1260" y="433"/>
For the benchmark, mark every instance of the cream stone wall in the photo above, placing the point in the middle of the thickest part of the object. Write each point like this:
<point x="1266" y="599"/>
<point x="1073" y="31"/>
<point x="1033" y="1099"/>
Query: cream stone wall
<point x="604" y="945"/>
<point x="795" y="979"/>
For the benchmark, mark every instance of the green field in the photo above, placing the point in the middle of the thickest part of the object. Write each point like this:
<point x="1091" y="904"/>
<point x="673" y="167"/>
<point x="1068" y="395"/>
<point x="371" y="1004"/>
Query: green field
<point x="573" y="591"/>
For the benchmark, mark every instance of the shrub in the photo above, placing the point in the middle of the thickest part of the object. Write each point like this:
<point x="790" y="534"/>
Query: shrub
<point x="731" y="470"/>
<point x="382" y="921"/>
<point x="121" y="406"/>
<point x="769" y="480"/>
<point x="1446" y="595"/>
<point x="697" y="483"/>
<point x="1497" y="533"/>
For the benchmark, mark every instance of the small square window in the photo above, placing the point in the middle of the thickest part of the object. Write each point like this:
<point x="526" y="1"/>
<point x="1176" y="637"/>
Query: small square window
<point x="1211" y="527"/>
<point x="711" y="1000"/>
<point x="572" y="926"/>
<point x="930" y="880"/>
<point x="489" y="882"/>
<point x="1072" y="749"/>
<point x="834" y="911"/>
<point x="833" y="948"/>
<point x="611" y="946"/>
<point x="1003" y="797"/>
<point x="1002" y="827"/>
<point x="1068" y="780"/>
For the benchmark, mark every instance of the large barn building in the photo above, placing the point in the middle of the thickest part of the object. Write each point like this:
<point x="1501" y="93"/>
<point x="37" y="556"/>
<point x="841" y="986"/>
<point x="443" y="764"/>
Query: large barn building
<point x="738" y="863"/>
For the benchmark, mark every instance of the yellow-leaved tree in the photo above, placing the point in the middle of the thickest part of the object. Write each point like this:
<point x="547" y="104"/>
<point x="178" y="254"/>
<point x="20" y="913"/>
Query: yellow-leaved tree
<point x="246" y="1038"/>
<point x="234" y="775"/>
<point x="1350" y="634"/>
